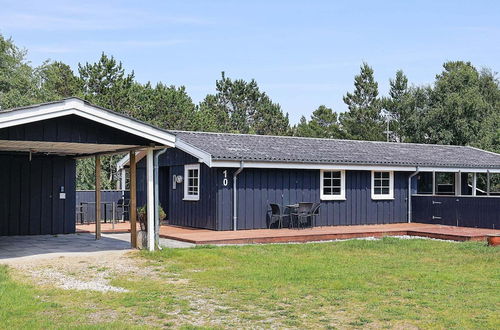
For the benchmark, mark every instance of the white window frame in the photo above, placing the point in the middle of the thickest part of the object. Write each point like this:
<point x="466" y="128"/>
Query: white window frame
<point x="388" y="196"/>
<point x="340" y="197"/>
<point x="188" y="197"/>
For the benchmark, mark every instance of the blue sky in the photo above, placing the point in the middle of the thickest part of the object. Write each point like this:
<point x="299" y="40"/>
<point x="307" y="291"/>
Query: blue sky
<point x="302" y="53"/>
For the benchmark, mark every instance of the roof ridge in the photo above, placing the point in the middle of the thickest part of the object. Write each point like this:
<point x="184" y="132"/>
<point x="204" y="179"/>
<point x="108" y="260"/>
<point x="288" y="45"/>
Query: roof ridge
<point x="479" y="149"/>
<point x="321" y="139"/>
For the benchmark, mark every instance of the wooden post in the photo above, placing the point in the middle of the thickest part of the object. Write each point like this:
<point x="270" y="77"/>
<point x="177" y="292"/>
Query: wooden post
<point x="97" y="197"/>
<point x="133" y="200"/>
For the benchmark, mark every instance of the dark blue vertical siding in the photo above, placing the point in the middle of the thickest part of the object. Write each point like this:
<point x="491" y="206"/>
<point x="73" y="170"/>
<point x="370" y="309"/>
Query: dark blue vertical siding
<point x="481" y="212"/>
<point x="71" y="128"/>
<point x="29" y="195"/>
<point x="257" y="188"/>
<point x="199" y="214"/>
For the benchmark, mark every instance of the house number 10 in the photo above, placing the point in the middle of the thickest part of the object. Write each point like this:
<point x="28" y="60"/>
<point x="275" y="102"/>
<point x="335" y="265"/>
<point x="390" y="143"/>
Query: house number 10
<point x="224" y="181"/>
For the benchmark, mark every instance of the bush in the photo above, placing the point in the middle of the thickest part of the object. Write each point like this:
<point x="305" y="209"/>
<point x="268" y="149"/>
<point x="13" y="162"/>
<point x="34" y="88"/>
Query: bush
<point x="142" y="216"/>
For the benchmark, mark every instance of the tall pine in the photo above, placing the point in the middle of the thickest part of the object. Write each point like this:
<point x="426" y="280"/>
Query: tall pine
<point x="363" y="120"/>
<point x="323" y="124"/>
<point x="399" y="107"/>
<point x="239" y="106"/>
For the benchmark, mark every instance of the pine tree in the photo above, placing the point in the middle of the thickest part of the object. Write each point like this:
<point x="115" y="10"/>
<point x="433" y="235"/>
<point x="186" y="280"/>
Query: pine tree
<point x="398" y="108"/>
<point x="239" y="106"/>
<point x="106" y="84"/>
<point x="168" y="107"/>
<point x="363" y="121"/>
<point x="57" y="81"/>
<point x="323" y="124"/>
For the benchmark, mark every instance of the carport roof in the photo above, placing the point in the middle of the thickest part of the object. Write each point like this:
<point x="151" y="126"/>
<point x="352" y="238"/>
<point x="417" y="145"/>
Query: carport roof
<point x="146" y="135"/>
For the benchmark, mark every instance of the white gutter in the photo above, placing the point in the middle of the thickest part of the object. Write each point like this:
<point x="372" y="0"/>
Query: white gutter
<point x="409" y="193"/>
<point x="235" y="197"/>
<point x="349" y="167"/>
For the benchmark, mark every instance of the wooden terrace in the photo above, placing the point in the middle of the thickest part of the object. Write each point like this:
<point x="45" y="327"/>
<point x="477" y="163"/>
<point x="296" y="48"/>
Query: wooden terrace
<point x="205" y="236"/>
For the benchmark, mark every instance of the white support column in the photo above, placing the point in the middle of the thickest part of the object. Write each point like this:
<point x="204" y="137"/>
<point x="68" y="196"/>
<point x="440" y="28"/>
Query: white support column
<point x="488" y="178"/>
<point x="123" y="178"/>
<point x="434" y="183"/>
<point x="458" y="183"/>
<point x="150" y="200"/>
<point x="474" y="184"/>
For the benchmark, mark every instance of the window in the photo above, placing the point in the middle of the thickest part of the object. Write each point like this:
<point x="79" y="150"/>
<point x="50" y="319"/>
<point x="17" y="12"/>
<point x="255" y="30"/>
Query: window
<point x="424" y="183"/>
<point x="445" y="183"/>
<point x="481" y="184"/>
<point x="382" y="185"/>
<point x="192" y="182"/>
<point x="494" y="184"/>
<point x="332" y="185"/>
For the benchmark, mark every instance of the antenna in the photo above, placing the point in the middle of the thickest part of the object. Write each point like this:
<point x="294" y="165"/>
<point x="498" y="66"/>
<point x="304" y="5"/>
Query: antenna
<point x="387" y="131"/>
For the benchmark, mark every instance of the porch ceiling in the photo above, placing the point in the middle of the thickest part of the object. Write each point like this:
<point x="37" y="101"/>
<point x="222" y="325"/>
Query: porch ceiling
<point x="63" y="148"/>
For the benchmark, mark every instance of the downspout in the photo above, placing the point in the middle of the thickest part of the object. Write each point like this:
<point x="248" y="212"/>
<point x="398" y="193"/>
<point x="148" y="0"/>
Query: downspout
<point x="409" y="193"/>
<point x="157" y="197"/>
<point x="235" y="196"/>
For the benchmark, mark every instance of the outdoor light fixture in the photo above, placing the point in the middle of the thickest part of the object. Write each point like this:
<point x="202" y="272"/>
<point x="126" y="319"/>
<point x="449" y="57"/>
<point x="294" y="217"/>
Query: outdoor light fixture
<point x="62" y="194"/>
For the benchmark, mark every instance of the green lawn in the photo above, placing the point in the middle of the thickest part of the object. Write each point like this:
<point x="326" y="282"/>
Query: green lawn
<point x="384" y="283"/>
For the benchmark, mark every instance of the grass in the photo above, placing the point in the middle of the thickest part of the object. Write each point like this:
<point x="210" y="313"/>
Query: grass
<point x="350" y="284"/>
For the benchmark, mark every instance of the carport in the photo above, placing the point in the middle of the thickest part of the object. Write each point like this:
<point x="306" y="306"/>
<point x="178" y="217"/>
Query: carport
<point x="39" y="146"/>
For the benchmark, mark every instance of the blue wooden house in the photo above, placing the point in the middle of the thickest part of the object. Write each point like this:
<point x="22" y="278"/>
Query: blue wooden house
<point x="227" y="181"/>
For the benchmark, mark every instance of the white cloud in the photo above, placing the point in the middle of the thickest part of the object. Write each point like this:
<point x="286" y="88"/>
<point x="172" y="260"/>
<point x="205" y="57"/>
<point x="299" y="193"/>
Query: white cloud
<point x="85" y="46"/>
<point x="87" y="17"/>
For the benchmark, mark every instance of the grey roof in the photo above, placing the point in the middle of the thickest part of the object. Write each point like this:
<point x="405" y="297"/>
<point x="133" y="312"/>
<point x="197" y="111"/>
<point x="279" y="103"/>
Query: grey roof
<point x="224" y="146"/>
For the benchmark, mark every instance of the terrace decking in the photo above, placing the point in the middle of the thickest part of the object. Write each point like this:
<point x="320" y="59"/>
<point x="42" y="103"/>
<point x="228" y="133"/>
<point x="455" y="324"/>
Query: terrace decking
<point x="205" y="236"/>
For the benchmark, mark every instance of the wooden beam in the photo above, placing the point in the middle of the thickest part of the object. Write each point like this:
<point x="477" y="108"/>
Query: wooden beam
<point x="108" y="153"/>
<point x="97" y="197"/>
<point x="133" y="200"/>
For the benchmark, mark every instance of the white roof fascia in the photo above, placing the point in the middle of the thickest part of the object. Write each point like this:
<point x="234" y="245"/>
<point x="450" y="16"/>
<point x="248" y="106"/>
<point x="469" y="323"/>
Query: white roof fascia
<point x="203" y="156"/>
<point x="80" y="108"/>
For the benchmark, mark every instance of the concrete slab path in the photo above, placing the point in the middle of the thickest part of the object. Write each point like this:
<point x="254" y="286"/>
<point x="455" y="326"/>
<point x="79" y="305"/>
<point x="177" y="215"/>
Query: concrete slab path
<point x="17" y="248"/>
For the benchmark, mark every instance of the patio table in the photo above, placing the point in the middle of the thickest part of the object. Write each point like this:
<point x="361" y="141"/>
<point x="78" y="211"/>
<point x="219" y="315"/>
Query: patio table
<point x="294" y="208"/>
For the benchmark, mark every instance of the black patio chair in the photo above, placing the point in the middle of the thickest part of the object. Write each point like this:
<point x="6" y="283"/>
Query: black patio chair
<point x="80" y="212"/>
<point x="277" y="215"/>
<point x="124" y="205"/>
<point x="302" y="214"/>
<point x="315" y="213"/>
